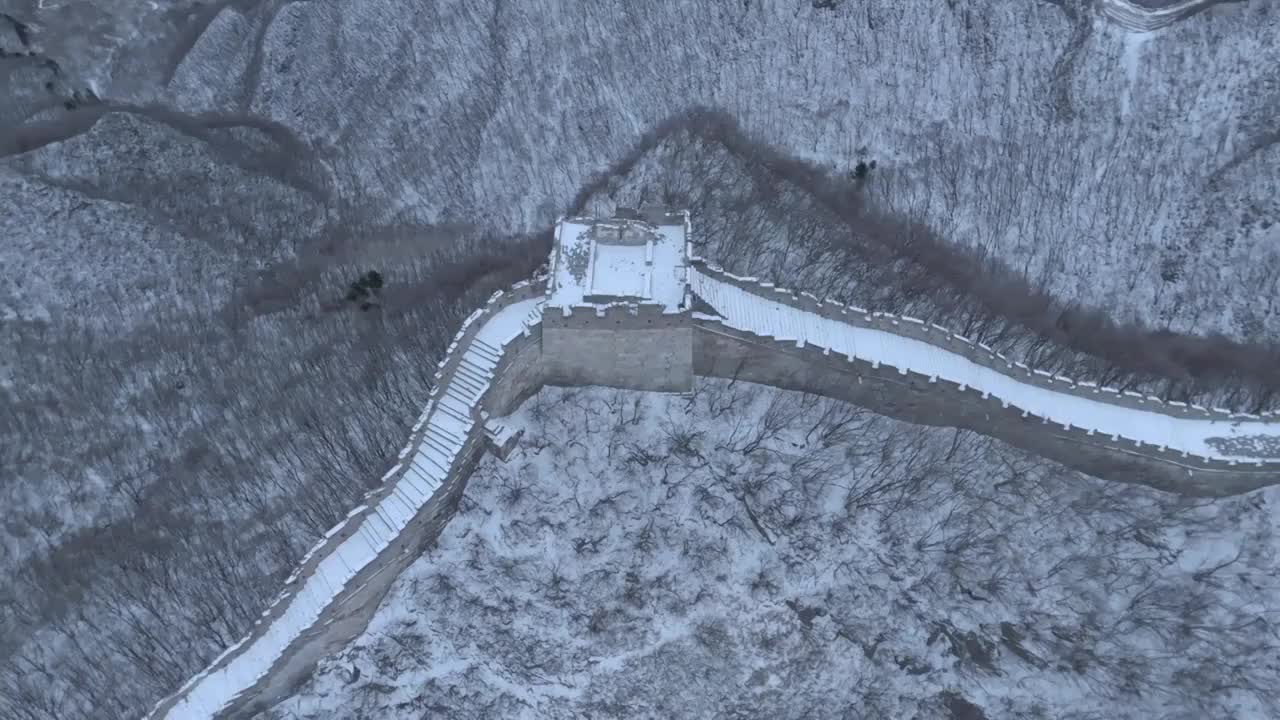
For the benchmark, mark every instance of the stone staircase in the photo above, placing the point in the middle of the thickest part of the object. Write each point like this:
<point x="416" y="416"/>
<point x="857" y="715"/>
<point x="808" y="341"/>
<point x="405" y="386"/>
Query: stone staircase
<point x="364" y="539"/>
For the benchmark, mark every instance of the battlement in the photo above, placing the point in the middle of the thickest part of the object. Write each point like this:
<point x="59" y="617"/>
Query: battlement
<point x="724" y="351"/>
<point x="617" y="315"/>
<point x="972" y="376"/>
<point x="906" y="326"/>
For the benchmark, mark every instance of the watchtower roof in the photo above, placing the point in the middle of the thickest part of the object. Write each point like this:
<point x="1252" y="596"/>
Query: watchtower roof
<point x="632" y="257"/>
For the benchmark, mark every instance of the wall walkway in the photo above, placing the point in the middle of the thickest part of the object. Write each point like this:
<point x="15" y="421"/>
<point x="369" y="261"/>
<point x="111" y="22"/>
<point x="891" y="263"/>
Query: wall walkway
<point x="1146" y="19"/>
<point x="923" y="373"/>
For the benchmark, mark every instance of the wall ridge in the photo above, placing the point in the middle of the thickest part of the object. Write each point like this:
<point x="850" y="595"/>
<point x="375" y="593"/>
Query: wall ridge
<point x="993" y="409"/>
<point x="1141" y="19"/>
<point x="934" y="334"/>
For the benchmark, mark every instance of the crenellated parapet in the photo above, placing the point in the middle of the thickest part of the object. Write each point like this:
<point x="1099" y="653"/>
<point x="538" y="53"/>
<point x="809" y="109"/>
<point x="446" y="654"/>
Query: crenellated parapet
<point x="723" y="351"/>
<point x="973" y="350"/>
<point x="1143" y="19"/>
<point x="615" y="316"/>
<point x="787" y="359"/>
<point x="497" y="302"/>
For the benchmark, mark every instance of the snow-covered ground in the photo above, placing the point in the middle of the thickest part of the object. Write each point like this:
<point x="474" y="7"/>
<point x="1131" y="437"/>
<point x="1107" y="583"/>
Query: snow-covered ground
<point x="448" y="424"/>
<point x="746" y="552"/>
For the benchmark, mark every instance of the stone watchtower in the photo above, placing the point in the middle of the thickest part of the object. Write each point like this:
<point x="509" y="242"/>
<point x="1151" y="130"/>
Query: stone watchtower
<point x="618" y="305"/>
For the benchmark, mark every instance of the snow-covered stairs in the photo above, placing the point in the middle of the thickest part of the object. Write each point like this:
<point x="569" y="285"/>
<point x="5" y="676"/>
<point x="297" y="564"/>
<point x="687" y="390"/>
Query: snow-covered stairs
<point x="450" y="423"/>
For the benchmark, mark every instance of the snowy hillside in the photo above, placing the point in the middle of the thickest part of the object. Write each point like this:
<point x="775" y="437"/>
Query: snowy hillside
<point x="188" y="399"/>
<point x="754" y="553"/>
<point x="1087" y="155"/>
<point x="1041" y="132"/>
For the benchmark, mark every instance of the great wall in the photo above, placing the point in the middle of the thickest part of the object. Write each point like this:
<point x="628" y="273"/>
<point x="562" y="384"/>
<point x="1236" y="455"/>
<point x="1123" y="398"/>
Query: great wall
<point x="625" y="303"/>
<point x="1141" y="18"/>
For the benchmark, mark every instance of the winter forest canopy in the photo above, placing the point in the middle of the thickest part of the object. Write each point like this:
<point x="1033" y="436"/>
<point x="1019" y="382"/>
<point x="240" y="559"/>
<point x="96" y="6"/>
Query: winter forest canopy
<point x="236" y="238"/>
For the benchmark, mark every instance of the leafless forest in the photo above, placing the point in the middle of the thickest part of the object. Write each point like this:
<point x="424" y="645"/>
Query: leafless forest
<point x="248" y="432"/>
<point x="188" y="398"/>
<point x="757" y="553"/>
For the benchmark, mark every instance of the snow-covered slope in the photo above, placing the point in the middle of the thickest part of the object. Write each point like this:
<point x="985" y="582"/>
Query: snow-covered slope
<point x="1093" y="160"/>
<point x="1091" y="164"/>
<point x="1123" y="171"/>
<point x="754" y="553"/>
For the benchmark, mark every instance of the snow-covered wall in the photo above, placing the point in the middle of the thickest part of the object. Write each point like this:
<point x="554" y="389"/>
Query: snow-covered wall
<point x="330" y="598"/>
<point x="974" y="351"/>
<point x="924" y="373"/>
<point x="1145" y="19"/>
